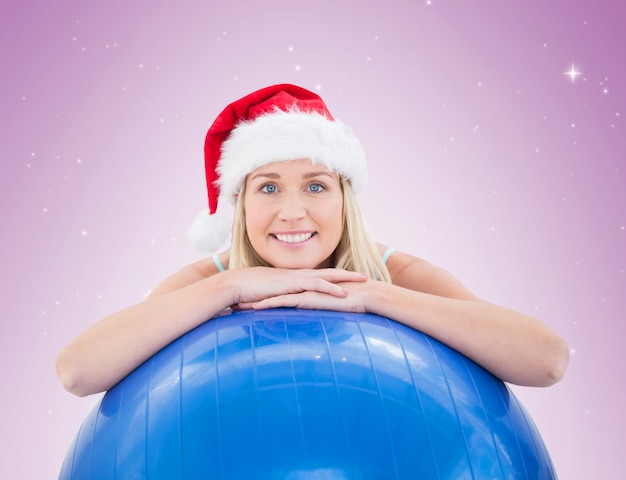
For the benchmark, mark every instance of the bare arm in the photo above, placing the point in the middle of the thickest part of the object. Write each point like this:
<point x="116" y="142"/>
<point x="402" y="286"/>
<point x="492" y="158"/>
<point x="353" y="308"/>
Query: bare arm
<point x="515" y="347"/>
<point x="111" y="348"/>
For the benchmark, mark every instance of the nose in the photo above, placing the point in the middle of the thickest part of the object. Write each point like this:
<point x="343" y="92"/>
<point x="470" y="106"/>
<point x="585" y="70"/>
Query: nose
<point x="292" y="208"/>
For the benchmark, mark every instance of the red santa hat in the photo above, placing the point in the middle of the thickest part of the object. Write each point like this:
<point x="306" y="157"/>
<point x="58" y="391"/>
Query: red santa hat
<point x="277" y="123"/>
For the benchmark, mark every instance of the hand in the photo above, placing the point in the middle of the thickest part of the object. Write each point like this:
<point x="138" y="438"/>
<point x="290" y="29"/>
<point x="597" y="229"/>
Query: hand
<point x="355" y="298"/>
<point x="255" y="284"/>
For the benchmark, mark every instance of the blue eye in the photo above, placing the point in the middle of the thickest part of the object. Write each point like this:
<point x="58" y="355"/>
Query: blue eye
<point x="269" y="188"/>
<point x="316" y="187"/>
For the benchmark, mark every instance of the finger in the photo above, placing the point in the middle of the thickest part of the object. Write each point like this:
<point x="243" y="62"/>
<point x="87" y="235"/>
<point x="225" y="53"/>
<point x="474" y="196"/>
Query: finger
<point x="324" y="286"/>
<point x="294" y="300"/>
<point x="244" y="306"/>
<point x="340" y="275"/>
<point x="307" y="300"/>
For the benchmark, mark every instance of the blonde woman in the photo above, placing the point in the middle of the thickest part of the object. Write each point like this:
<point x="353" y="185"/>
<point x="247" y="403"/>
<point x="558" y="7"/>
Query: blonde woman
<point x="299" y="240"/>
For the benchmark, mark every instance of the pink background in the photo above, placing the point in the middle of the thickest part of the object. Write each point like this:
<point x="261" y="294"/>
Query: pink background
<point x="485" y="158"/>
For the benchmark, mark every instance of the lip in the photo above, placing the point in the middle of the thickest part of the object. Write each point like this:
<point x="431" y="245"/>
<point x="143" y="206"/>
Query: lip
<point x="293" y="239"/>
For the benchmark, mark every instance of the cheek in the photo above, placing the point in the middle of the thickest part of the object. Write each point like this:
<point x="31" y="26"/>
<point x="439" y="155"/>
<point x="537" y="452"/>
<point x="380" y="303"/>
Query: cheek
<point x="333" y="216"/>
<point x="256" y="219"/>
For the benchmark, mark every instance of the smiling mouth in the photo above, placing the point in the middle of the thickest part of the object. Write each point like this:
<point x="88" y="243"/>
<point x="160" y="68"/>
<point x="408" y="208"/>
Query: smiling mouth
<point x="293" y="237"/>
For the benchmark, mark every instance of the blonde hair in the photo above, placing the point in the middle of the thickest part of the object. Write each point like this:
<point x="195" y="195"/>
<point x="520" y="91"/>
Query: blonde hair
<point x="355" y="251"/>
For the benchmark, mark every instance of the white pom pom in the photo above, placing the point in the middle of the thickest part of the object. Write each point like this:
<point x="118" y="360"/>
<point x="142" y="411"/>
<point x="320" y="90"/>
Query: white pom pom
<point x="208" y="233"/>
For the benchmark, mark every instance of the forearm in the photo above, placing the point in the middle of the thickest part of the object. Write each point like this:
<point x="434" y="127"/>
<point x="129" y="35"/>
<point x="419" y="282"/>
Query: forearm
<point x="514" y="347"/>
<point x="111" y="348"/>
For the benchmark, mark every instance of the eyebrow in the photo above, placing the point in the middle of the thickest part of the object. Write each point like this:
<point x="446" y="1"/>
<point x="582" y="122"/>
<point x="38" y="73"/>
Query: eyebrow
<point x="265" y="175"/>
<point x="316" y="174"/>
<point x="274" y="176"/>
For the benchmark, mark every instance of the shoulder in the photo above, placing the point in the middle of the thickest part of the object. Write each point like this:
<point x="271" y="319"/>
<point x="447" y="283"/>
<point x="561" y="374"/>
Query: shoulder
<point x="414" y="273"/>
<point x="190" y="274"/>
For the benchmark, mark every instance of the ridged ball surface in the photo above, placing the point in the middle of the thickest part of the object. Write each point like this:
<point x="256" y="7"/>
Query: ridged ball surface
<point x="307" y="394"/>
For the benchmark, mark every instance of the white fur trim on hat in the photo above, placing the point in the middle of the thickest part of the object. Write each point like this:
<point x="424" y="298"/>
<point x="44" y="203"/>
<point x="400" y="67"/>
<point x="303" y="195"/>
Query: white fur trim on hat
<point x="280" y="136"/>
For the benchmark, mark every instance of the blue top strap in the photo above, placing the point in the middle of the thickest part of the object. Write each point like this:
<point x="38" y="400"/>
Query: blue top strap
<point x="218" y="264"/>
<point x="387" y="254"/>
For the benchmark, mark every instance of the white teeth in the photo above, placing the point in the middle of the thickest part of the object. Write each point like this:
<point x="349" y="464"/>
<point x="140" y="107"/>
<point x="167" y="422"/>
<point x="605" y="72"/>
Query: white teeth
<point x="293" y="238"/>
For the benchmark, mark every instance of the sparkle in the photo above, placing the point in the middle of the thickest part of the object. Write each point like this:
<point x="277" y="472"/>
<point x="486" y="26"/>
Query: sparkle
<point x="572" y="73"/>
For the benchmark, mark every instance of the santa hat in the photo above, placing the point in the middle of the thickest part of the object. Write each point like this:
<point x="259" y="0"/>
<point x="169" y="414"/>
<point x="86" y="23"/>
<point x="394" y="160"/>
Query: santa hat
<point x="276" y="123"/>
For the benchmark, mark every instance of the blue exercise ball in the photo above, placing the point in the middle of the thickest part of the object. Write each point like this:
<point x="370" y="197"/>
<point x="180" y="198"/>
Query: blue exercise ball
<point x="307" y="394"/>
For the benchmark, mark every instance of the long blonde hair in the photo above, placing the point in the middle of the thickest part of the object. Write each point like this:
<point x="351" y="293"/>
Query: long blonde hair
<point x="355" y="251"/>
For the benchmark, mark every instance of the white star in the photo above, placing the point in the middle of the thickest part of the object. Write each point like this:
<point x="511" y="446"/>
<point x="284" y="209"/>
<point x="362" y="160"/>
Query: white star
<point x="573" y="73"/>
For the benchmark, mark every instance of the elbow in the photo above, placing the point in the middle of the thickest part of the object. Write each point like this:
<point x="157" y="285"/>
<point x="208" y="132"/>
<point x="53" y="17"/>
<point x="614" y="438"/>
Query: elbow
<point x="555" y="364"/>
<point x="71" y="375"/>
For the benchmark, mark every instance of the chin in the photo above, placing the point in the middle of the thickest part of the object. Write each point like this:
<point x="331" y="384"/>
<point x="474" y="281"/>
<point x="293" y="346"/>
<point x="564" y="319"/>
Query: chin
<point x="297" y="262"/>
<point x="296" y="265"/>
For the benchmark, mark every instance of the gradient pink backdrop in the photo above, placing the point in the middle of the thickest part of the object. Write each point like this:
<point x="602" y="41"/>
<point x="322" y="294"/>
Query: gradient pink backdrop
<point x="485" y="158"/>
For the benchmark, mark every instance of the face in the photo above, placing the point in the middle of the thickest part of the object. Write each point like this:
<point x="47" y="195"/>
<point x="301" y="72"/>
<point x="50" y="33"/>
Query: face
<point x="294" y="213"/>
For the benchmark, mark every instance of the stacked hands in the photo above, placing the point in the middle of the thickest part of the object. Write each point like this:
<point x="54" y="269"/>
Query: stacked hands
<point x="324" y="289"/>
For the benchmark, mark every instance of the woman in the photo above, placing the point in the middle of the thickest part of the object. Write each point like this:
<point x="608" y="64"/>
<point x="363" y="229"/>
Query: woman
<point x="299" y="240"/>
